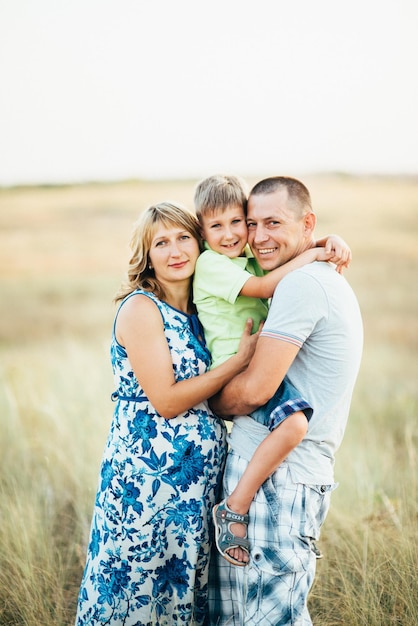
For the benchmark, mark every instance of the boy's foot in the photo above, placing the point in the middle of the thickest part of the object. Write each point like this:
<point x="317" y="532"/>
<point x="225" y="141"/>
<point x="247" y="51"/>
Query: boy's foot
<point x="226" y="541"/>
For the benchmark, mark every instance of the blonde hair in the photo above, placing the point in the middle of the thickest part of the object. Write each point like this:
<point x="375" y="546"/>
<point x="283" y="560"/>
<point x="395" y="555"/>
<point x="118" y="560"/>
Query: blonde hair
<point x="218" y="193"/>
<point x="140" y="275"/>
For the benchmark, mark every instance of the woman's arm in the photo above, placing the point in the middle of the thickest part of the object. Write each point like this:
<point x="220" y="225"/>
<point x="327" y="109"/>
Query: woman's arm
<point x="139" y="328"/>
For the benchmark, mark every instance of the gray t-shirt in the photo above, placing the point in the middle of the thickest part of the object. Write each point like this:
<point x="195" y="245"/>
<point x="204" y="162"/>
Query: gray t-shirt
<point x="315" y="308"/>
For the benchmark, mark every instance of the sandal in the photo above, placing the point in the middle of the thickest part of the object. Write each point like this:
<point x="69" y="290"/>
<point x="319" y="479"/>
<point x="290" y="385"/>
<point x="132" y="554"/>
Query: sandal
<point x="223" y="517"/>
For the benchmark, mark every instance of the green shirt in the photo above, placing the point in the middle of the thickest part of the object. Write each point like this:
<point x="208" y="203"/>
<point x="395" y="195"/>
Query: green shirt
<point x="222" y="311"/>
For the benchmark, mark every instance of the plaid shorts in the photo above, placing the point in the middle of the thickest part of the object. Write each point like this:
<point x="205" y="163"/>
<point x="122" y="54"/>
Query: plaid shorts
<point x="272" y="590"/>
<point x="286" y="401"/>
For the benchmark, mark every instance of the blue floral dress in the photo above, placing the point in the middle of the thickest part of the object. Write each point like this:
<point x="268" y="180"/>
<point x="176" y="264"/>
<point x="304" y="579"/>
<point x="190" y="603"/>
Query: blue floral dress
<point x="148" y="555"/>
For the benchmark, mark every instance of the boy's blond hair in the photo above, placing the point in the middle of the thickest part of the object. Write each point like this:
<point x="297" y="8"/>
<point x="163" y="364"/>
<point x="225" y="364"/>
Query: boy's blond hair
<point x="219" y="192"/>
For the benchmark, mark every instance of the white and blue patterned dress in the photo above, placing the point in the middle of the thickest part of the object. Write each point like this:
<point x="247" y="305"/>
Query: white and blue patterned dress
<point x="148" y="555"/>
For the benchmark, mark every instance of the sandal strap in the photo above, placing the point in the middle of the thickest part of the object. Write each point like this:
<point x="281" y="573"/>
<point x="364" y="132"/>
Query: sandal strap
<point x="225" y="539"/>
<point x="225" y="514"/>
<point x="232" y="541"/>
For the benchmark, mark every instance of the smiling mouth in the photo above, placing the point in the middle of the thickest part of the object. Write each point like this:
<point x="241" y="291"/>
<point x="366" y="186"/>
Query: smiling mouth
<point x="177" y="265"/>
<point x="262" y="251"/>
<point x="230" y="245"/>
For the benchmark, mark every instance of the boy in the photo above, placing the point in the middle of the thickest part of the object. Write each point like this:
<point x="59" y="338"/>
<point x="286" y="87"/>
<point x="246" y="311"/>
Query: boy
<point x="229" y="287"/>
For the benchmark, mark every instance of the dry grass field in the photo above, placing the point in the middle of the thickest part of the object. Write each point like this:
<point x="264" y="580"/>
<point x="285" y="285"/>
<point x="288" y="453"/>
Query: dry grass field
<point x="63" y="253"/>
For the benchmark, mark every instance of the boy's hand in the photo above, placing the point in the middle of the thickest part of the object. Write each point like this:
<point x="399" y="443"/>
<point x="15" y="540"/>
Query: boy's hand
<point x="338" y="252"/>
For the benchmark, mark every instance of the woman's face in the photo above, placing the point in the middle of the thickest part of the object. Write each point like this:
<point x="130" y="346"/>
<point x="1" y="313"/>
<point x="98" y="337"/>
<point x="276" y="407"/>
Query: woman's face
<point x="173" y="253"/>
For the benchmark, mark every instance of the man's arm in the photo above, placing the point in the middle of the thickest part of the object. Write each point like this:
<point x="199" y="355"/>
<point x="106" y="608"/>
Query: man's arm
<point x="255" y="386"/>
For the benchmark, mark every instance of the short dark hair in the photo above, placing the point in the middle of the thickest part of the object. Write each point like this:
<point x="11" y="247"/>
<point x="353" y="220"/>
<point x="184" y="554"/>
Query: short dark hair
<point x="298" y="193"/>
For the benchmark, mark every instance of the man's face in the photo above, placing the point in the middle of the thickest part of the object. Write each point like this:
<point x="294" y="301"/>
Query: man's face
<point x="276" y="233"/>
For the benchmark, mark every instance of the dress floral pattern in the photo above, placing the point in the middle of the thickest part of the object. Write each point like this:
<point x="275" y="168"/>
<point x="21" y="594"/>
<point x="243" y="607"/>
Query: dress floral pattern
<point x="148" y="554"/>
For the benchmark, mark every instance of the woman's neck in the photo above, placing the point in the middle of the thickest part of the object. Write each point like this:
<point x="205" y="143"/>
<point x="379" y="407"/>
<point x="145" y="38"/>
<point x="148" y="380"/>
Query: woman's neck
<point x="178" y="296"/>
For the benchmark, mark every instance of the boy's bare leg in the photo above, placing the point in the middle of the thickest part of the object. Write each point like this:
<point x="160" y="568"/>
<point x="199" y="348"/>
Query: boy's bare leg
<point x="266" y="459"/>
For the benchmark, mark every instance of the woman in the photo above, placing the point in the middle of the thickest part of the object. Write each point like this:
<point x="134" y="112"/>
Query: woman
<point x="147" y="561"/>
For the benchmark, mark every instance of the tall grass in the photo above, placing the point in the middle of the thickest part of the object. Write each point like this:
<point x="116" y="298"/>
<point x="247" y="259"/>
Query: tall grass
<point x="63" y="252"/>
<point x="57" y="408"/>
<point x="369" y="573"/>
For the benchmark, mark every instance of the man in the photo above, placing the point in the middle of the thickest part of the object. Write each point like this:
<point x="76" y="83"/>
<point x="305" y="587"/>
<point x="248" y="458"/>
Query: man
<point x="314" y="333"/>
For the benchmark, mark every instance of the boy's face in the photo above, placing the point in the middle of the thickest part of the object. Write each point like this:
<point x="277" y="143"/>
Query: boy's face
<point x="225" y="231"/>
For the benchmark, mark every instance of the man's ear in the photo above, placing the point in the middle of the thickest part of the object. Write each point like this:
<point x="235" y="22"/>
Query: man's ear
<point x="309" y="222"/>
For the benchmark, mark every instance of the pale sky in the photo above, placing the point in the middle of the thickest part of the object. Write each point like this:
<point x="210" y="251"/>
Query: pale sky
<point x="116" y="89"/>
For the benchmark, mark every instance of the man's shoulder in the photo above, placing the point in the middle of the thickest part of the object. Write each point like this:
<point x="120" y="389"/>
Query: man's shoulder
<point x="315" y="270"/>
<point x="305" y="273"/>
<point x="313" y="287"/>
<point x="307" y="284"/>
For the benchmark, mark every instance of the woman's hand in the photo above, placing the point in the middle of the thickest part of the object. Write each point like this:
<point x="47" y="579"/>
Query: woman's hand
<point x="248" y="343"/>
